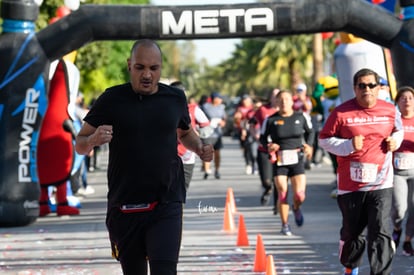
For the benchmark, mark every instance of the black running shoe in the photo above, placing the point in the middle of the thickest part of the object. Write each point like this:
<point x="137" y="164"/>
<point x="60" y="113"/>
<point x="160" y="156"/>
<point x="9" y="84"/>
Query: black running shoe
<point x="217" y="175"/>
<point x="264" y="200"/>
<point x="408" y="249"/>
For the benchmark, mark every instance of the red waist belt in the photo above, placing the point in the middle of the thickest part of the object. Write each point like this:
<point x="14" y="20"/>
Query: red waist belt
<point x="141" y="207"/>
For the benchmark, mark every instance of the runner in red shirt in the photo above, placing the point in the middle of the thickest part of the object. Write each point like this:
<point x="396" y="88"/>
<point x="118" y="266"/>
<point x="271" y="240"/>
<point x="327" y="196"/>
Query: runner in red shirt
<point x="200" y="124"/>
<point x="263" y="163"/>
<point x="241" y="119"/>
<point x="363" y="132"/>
<point x="403" y="198"/>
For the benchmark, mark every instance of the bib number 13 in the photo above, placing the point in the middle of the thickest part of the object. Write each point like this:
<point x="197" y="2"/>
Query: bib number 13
<point x="363" y="172"/>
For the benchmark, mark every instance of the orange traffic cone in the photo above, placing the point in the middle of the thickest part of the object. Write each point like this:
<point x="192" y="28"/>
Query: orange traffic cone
<point x="228" y="224"/>
<point x="230" y="199"/>
<point x="260" y="257"/>
<point x="270" y="266"/>
<point x="242" y="239"/>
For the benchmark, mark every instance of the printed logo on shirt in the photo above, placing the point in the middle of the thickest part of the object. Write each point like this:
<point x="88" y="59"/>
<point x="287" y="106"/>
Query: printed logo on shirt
<point x="408" y="128"/>
<point x="367" y="120"/>
<point x="279" y="122"/>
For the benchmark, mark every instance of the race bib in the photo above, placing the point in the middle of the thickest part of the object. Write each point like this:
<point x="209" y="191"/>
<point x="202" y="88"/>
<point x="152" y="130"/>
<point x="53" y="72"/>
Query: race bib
<point x="363" y="172"/>
<point x="403" y="161"/>
<point x="187" y="156"/>
<point x="215" y="122"/>
<point x="287" y="157"/>
<point x="206" y="132"/>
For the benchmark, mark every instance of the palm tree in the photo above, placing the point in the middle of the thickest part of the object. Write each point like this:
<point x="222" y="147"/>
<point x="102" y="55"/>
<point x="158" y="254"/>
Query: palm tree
<point x="288" y="59"/>
<point x="317" y="47"/>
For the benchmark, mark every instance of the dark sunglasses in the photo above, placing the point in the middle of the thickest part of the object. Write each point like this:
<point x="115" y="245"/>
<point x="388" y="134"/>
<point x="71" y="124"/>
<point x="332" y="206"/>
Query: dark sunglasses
<point x="364" y="86"/>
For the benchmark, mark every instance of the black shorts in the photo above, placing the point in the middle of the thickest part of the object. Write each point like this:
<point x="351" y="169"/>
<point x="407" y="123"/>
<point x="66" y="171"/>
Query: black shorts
<point x="290" y="170"/>
<point x="217" y="142"/>
<point x="153" y="235"/>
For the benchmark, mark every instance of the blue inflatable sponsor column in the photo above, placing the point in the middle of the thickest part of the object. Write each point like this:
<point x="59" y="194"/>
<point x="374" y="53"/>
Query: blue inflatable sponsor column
<point x="23" y="102"/>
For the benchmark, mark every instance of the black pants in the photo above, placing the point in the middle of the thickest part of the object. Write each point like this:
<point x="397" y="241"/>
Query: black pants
<point x="154" y="237"/>
<point x="369" y="210"/>
<point x="265" y="168"/>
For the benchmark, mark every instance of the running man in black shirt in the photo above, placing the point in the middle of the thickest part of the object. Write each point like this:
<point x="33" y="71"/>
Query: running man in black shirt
<point x="142" y="120"/>
<point x="288" y="135"/>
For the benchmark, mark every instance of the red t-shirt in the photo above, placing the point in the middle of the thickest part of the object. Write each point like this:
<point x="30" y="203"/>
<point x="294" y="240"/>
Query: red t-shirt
<point x="261" y="114"/>
<point x="403" y="157"/>
<point x="371" y="167"/>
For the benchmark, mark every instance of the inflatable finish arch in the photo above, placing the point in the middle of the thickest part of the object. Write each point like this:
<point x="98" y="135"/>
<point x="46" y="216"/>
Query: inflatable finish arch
<point x="25" y="58"/>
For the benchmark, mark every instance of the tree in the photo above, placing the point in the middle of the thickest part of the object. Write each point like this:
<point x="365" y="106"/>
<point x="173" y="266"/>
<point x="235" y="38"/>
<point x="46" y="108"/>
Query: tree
<point x="289" y="58"/>
<point x="179" y="63"/>
<point x="236" y="75"/>
<point x="101" y="63"/>
<point x="256" y="65"/>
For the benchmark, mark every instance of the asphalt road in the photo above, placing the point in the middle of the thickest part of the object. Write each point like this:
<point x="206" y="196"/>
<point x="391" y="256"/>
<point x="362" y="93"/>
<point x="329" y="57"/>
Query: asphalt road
<point x="79" y="244"/>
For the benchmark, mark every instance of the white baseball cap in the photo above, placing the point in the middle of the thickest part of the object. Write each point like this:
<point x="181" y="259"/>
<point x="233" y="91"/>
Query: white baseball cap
<point x="301" y="87"/>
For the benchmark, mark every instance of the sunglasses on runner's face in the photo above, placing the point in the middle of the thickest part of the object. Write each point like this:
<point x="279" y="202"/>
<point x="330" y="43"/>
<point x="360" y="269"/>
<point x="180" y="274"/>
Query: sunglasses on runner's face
<point x="369" y="85"/>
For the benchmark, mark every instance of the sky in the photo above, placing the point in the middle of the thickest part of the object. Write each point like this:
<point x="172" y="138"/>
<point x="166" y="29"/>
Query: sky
<point x="214" y="50"/>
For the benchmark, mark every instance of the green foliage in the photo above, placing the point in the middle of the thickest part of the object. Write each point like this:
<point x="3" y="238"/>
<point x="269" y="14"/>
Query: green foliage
<point x="94" y="83"/>
<point x="261" y="64"/>
<point x="179" y="63"/>
<point x="255" y="67"/>
<point x="116" y="69"/>
<point x="101" y="63"/>
<point x="241" y="72"/>
<point x="46" y="12"/>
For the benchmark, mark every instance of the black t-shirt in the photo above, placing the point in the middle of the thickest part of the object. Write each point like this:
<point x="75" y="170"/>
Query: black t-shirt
<point x="143" y="162"/>
<point x="289" y="132"/>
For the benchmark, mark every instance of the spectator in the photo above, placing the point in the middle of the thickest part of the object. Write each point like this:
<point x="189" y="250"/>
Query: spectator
<point x="92" y="157"/>
<point x="384" y="92"/>
<point x="79" y="180"/>
<point x="301" y="101"/>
